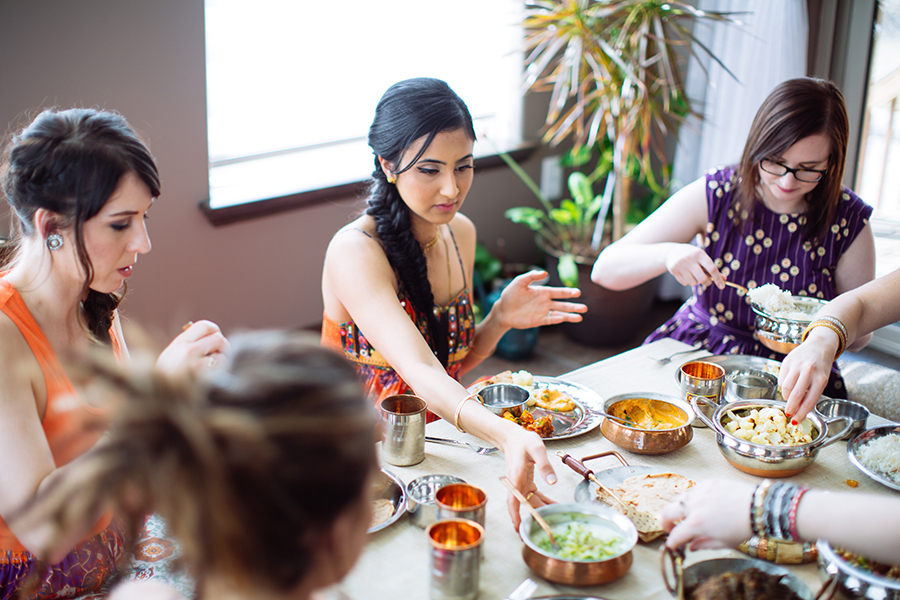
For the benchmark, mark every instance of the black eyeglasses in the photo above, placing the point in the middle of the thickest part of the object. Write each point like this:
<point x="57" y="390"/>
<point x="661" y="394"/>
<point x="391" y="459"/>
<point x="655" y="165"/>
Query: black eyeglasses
<point x="779" y="170"/>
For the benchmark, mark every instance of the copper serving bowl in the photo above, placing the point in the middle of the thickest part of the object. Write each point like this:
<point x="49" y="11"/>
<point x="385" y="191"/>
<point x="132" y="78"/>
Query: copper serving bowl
<point x="770" y="461"/>
<point x="575" y="572"/>
<point x="853" y="582"/>
<point x="780" y="333"/>
<point x="648" y="441"/>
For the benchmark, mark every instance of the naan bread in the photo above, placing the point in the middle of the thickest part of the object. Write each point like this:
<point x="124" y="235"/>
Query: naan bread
<point x="382" y="510"/>
<point x="644" y="496"/>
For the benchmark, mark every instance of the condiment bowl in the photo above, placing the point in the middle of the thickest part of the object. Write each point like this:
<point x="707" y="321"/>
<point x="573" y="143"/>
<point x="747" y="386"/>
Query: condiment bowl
<point x="500" y="397"/>
<point x="764" y="460"/>
<point x="648" y="441"/>
<point x="854" y="582"/>
<point x="783" y="334"/>
<point x="836" y="407"/>
<point x="750" y="384"/>
<point x="420" y="493"/>
<point x="575" y="572"/>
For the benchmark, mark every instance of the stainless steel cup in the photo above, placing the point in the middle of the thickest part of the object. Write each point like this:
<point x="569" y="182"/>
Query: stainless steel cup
<point x="403" y="430"/>
<point x="461" y="501"/>
<point x="750" y="384"/>
<point x="420" y="493"/>
<point x="700" y="378"/>
<point x="500" y="397"/>
<point x="455" y="559"/>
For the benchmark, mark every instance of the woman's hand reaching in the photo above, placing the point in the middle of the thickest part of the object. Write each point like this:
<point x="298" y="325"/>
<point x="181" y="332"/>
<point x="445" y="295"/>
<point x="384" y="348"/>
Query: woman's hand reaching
<point x="805" y="371"/>
<point x="524" y="305"/>
<point x="524" y="451"/>
<point x="712" y="514"/>
<point x="200" y="346"/>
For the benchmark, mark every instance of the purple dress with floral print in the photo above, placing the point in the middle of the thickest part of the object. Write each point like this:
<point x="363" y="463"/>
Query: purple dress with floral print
<point x="770" y="249"/>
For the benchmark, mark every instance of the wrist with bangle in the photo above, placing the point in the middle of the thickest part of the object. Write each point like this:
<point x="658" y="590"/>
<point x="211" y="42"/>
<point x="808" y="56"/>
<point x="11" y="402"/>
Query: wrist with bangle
<point x="459" y="408"/>
<point x="835" y="325"/>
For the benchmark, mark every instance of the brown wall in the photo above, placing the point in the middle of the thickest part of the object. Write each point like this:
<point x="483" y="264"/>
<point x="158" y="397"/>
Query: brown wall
<point x="145" y="59"/>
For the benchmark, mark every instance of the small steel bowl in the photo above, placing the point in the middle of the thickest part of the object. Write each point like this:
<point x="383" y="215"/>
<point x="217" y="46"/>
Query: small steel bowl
<point x="420" y="492"/>
<point x="574" y="572"/>
<point x="782" y="334"/>
<point x="750" y="384"/>
<point x="769" y="461"/>
<point x="853" y="582"/>
<point x="500" y="397"/>
<point x="858" y="414"/>
<point x="648" y="441"/>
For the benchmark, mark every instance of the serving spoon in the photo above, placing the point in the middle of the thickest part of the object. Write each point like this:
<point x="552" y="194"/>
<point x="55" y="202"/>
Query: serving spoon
<point x="534" y="513"/>
<point x="737" y="286"/>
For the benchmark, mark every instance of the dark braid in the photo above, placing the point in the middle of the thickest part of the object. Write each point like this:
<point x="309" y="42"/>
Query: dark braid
<point x="69" y="163"/>
<point x="408" y="111"/>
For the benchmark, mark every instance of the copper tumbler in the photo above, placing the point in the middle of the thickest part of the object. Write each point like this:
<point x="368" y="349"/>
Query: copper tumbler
<point x="461" y="501"/>
<point x="403" y="430"/>
<point x="700" y="378"/>
<point x="455" y="559"/>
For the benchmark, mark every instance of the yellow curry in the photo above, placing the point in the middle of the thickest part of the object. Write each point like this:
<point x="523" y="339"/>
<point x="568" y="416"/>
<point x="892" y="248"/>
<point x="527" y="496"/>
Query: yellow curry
<point x="644" y="413"/>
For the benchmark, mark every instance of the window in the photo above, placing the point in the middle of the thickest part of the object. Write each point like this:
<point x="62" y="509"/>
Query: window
<point x="292" y="86"/>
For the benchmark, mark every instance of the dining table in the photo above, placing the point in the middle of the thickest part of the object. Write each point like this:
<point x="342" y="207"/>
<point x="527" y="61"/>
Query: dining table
<point x="396" y="560"/>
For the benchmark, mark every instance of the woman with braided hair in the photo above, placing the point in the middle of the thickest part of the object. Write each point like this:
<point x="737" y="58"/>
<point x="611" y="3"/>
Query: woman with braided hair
<point x="262" y="471"/>
<point x="79" y="184"/>
<point x="397" y="280"/>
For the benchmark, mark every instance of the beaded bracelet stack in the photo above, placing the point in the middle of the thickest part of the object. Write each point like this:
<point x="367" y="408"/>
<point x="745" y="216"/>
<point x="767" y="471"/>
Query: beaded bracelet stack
<point x="773" y="511"/>
<point x="834" y="324"/>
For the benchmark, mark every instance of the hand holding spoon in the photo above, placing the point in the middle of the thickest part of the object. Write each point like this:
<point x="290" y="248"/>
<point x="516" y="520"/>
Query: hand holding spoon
<point x="534" y="513"/>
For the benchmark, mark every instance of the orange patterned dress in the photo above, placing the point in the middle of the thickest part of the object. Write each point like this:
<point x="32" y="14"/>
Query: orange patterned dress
<point x="380" y="379"/>
<point x="94" y="560"/>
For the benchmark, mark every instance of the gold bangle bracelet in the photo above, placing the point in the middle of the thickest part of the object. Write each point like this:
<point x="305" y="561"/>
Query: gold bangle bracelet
<point x="842" y="337"/>
<point x="459" y="410"/>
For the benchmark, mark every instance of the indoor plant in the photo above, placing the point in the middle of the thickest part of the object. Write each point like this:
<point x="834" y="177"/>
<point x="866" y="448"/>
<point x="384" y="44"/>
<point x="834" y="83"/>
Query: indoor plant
<point x="614" y="72"/>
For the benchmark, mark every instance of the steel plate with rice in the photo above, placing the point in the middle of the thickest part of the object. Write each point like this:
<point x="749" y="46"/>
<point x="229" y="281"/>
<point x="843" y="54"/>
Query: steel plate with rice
<point x="879" y="435"/>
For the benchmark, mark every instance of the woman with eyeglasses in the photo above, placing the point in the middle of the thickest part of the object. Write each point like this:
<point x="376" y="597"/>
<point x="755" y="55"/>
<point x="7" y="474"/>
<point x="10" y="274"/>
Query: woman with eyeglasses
<point x="779" y="216"/>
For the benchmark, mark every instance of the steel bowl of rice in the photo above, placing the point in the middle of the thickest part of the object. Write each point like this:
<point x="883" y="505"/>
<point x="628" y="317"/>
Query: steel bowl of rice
<point x="781" y="318"/>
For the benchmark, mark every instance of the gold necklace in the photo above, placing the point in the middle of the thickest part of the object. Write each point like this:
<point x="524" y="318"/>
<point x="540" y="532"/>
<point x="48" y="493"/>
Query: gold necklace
<point x="429" y="245"/>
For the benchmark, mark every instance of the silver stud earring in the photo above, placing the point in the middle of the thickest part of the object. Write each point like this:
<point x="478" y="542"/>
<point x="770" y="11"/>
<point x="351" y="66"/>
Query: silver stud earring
<point x="54" y="242"/>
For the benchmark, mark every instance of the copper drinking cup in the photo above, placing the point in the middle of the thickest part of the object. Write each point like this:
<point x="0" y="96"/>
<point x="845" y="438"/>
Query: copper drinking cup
<point x="455" y="559"/>
<point x="701" y="378"/>
<point x="461" y="501"/>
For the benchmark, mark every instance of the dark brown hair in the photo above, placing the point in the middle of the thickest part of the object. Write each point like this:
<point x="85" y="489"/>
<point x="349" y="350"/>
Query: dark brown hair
<point x="248" y="466"/>
<point x="796" y="109"/>
<point x="69" y="163"/>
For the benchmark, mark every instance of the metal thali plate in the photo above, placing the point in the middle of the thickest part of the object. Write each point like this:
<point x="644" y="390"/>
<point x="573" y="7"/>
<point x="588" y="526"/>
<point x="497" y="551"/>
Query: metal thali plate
<point x="586" y="491"/>
<point x="581" y="419"/>
<point x="868" y="435"/>
<point x="389" y="487"/>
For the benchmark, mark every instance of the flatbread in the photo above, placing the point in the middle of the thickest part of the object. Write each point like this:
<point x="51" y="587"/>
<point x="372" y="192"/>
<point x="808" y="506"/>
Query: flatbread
<point x="382" y="510"/>
<point x="644" y="496"/>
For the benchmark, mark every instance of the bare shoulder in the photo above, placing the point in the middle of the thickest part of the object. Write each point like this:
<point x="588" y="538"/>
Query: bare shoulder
<point x="463" y="230"/>
<point x="20" y="373"/>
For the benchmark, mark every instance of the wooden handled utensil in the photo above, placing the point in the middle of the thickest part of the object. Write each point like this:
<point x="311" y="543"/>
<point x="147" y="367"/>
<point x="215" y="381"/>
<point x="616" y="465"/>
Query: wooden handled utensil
<point x="580" y="468"/>
<point x="534" y="513"/>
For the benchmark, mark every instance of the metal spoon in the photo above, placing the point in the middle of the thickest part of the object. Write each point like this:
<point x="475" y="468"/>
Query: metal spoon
<point x="667" y="359"/>
<point x="479" y="449"/>
<point x="534" y="513"/>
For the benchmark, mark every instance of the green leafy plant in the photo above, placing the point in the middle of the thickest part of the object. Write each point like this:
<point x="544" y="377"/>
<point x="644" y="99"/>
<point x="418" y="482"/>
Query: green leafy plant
<point x="613" y="70"/>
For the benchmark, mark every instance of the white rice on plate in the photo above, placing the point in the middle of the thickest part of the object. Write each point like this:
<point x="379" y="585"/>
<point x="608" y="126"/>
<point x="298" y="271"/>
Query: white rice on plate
<point x="777" y="302"/>
<point x="882" y="455"/>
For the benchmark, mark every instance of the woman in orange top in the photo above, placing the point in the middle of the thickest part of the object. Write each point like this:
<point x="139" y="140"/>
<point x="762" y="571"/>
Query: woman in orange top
<point x="79" y="184"/>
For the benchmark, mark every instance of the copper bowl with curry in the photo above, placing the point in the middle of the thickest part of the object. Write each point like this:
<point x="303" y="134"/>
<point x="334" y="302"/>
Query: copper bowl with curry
<point x="656" y="423"/>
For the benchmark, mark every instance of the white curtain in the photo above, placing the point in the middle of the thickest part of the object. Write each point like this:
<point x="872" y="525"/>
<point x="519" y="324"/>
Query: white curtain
<point x="766" y="48"/>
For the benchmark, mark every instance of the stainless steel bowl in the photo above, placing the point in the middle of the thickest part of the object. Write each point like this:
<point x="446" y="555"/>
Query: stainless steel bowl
<point x="573" y="572"/>
<point x="420" y="492"/>
<point x="698" y="572"/>
<point x="853" y="582"/>
<point x="836" y="407"/>
<point x="769" y="461"/>
<point x="782" y="334"/>
<point x="388" y="486"/>
<point x="648" y="441"/>
<point x="750" y="384"/>
<point x="500" y="397"/>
